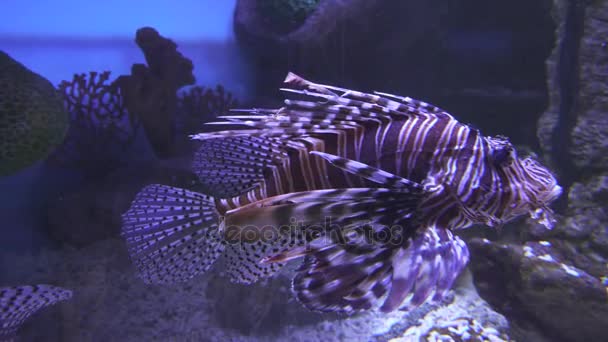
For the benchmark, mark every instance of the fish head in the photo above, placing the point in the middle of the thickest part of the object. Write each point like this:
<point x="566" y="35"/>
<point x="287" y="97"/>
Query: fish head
<point x="541" y="180"/>
<point x="543" y="188"/>
<point x="528" y="186"/>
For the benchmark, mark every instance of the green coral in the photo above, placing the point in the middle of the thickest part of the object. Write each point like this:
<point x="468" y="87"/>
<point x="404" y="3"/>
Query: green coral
<point x="286" y="15"/>
<point x="32" y="118"/>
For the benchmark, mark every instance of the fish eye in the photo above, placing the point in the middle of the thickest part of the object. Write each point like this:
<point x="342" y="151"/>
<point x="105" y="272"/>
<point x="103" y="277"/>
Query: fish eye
<point x="502" y="157"/>
<point x="503" y="153"/>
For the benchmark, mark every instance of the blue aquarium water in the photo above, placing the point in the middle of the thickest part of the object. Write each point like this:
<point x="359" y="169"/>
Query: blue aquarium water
<point x="305" y="170"/>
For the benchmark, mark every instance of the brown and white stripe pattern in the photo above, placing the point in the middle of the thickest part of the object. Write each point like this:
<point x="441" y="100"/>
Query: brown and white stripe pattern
<point x="410" y="138"/>
<point x="371" y="163"/>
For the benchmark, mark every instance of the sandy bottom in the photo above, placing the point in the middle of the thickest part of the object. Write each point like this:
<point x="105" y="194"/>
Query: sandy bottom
<point x="111" y="304"/>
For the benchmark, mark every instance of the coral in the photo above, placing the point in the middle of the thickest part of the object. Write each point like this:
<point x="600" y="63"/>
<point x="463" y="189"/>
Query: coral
<point x="100" y="129"/>
<point x="198" y="105"/>
<point x="463" y="329"/>
<point x="467" y="318"/>
<point x="285" y="16"/>
<point x="32" y="119"/>
<point x="150" y="92"/>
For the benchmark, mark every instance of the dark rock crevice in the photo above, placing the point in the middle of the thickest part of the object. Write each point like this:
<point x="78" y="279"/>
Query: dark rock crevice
<point x="568" y="81"/>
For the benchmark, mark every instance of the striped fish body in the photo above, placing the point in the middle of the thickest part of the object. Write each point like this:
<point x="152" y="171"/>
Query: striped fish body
<point x="367" y="187"/>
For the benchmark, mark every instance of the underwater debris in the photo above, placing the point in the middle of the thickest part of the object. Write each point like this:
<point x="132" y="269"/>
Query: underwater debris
<point x="18" y="303"/>
<point x="101" y="128"/>
<point x="32" y="118"/>
<point x="286" y="172"/>
<point x="150" y="92"/>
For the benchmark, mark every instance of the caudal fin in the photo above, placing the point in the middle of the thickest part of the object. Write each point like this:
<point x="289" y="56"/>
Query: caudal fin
<point x="172" y="234"/>
<point x="18" y="303"/>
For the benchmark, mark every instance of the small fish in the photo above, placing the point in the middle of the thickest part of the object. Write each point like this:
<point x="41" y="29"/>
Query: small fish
<point x="367" y="188"/>
<point x="18" y="303"/>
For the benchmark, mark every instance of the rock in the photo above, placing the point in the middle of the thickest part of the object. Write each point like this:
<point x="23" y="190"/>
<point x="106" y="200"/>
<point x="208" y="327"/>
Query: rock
<point x="533" y="286"/>
<point x="581" y="129"/>
<point x="548" y="121"/>
<point x="599" y="238"/>
<point x="358" y="36"/>
<point x="260" y="308"/>
<point x="488" y="71"/>
<point x="150" y="92"/>
<point x="557" y="287"/>
<point x="587" y="213"/>
<point x="589" y="147"/>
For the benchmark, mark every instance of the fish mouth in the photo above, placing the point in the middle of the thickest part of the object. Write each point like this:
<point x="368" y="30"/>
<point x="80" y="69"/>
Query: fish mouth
<point x="543" y="214"/>
<point x="555" y="192"/>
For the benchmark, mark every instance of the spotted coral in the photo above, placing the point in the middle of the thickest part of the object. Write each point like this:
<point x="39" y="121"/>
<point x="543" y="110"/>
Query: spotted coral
<point x="285" y="16"/>
<point x="32" y="119"/>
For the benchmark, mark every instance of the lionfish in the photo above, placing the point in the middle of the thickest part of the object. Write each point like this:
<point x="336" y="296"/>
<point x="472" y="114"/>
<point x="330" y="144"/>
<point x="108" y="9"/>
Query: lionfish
<point x="18" y="303"/>
<point x="366" y="188"/>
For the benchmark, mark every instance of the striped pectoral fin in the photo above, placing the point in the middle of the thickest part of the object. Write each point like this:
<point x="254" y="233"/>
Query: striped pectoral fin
<point x="348" y="277"/>
<point x="425" y="268"/>
<point x="18" y="303"/>
<point x="341" y="278"/>
<point x="386" y="179"/>
<point x="171" y="233"/>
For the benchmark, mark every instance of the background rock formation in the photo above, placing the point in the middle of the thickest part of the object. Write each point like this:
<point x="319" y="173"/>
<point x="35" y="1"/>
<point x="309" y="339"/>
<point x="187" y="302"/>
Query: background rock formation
<point x="487" y="69"/>
<point x="553" y="285"/>
<point x="150" y="92"/>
